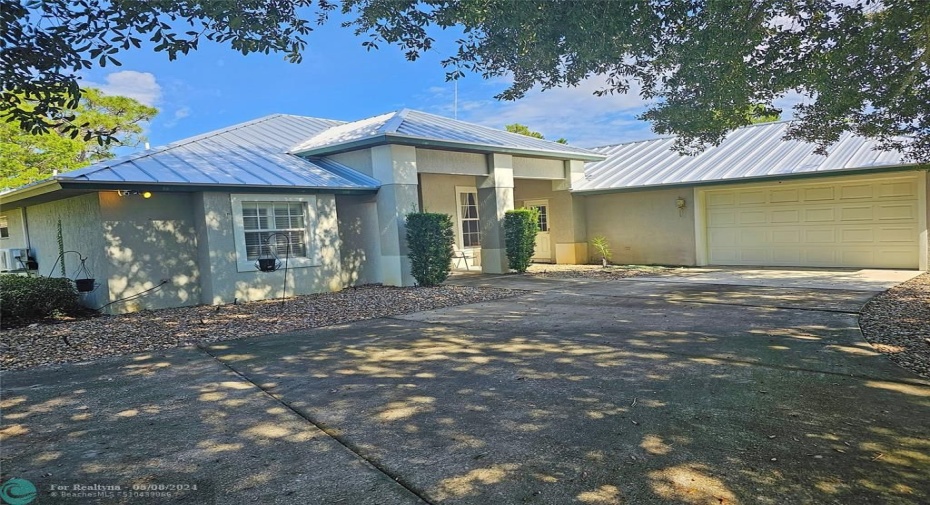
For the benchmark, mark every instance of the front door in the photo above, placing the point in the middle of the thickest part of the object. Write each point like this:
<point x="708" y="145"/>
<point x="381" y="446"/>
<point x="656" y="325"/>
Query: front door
<point x="543" y="252"/>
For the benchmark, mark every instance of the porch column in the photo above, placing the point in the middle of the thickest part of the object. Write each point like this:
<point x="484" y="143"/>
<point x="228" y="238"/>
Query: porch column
<point x="495" y="197"/>
<point x="396" y="168"/>
<point x="571" y="240"/>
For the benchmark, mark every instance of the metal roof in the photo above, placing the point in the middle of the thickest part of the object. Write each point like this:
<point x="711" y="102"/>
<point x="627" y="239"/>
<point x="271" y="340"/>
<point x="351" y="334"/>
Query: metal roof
<point x="413" y="127"/>
<point x="253" y="153"/>
<point x="756" y="151"/>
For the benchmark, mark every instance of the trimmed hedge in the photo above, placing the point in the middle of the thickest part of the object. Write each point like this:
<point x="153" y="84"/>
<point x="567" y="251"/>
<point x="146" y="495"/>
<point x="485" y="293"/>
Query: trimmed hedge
<point x="431" y="240"/>
<point x="520" y="228"/>
<point x="25" y="300"/>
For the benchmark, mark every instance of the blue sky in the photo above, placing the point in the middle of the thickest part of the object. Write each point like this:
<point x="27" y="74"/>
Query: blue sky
<point x="216" y="86"/>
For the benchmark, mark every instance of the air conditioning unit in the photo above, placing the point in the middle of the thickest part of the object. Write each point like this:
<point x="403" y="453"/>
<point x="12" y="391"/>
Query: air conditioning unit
<point x="7" y="261"/>
<point x="13" y="259"/>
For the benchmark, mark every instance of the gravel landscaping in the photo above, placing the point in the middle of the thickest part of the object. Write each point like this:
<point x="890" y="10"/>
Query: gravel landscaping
<point x="897" y="323"/>
<point x="97" y="337"/>
<point x="598" y="271"/>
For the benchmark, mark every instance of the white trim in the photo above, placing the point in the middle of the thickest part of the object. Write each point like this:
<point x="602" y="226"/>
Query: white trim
<point x="923" y="237"/>
<point x="313" y="252"/>
<point x="700" y="228"/>
<point x="458" y="215"/>
<point x="543" y="203"/>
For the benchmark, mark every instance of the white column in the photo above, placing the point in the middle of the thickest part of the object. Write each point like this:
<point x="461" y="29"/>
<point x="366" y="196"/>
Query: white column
<point x="495" y="197"/>
<point x="396" y="168"/>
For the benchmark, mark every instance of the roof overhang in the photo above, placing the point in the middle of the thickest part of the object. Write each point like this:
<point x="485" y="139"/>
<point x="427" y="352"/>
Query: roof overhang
<point x="469" y="147"/>
<point x="61" y="188"/>
<point x="748" y="180"/>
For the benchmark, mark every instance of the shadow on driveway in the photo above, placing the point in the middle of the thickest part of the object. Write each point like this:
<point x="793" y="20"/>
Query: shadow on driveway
<point x="585" y="392"/>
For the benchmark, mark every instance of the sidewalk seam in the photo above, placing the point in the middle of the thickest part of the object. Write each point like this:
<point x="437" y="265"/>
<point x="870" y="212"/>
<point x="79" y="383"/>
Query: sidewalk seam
<point x="326" y="430"/>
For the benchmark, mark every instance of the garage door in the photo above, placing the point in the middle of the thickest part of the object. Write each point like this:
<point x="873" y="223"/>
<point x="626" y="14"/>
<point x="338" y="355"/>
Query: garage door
<point x="851" y="223"/>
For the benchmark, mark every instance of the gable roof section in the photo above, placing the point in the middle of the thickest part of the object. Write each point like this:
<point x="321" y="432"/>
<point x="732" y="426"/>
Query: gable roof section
<point x="411" y="127"/>
<point x="751" y="152"/>
<point x="250" y="154"/>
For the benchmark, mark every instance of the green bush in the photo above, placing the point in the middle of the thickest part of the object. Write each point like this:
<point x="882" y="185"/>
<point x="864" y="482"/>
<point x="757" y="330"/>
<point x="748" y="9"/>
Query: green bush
<point x="431" y="239"/>
<point x="25" y="300"/>
<point x="520" y="228"/>
<point x="602" y="246"/>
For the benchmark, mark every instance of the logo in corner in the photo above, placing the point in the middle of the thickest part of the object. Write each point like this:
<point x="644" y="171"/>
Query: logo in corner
<point x="17" y="492"/>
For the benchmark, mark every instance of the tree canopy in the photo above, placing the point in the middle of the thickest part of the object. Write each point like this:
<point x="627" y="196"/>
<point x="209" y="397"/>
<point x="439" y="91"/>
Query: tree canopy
<point x="522" y="129"/>
<point x="863" y="66"/>
<point x="27" y="157"/>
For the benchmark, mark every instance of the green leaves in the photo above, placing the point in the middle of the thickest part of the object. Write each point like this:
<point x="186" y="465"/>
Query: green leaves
<point x="39" y="61"/>
<point x="863" y="66"/>
<point x="430" y="239"/>
<point x="520" y="229"/>
<point x="86" y="135"/>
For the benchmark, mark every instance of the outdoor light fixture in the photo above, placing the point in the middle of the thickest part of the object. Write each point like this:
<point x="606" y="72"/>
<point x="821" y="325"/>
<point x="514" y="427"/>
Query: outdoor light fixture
<point x="129" y="192"/>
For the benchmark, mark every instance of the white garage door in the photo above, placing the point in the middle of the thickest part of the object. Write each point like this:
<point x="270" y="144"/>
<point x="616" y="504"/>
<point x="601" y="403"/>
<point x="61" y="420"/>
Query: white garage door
<point x="853" y="222"/>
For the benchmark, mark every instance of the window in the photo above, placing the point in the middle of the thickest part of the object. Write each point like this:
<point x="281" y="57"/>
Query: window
<point x="543" y="217"/>
<point x="270" y="225"/>
<point x="469" y="225"/>
<point x="4" y="227"/>
<point x="265" y="223"/>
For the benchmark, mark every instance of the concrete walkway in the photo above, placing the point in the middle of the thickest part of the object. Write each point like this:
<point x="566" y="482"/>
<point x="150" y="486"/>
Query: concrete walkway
<point x="661" y="390"/>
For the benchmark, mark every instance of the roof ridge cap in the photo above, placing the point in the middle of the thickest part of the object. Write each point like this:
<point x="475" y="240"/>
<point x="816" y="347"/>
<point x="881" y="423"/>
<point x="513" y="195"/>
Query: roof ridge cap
<point x="393" y="124"/>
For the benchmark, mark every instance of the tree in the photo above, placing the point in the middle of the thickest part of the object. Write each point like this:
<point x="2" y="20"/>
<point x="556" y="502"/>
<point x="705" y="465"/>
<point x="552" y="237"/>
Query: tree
<point x="26" y="157"/>
<point x="46" y="44"/>
<point x="864" y="65"/>
<point x="522" y="129"/>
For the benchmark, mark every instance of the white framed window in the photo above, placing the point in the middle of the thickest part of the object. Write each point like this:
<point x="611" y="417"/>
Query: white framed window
<point x="4" y="227"/>
<point x="264" y="224"/>
<point x="469" y="225"/>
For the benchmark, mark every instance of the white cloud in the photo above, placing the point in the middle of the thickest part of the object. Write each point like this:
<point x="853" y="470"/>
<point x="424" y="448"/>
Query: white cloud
<point x="574" y="113"/>
<point x="178" y="115"/>
<point x="141" y="86"/>
<point x="788" y="101"/>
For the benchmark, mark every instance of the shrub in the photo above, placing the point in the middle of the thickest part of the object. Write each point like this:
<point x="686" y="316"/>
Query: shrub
<point x="431" y="241"/>
<point x="602" y="247"/>
<point x="24" y="300"/>
<point x="520" y="228"/>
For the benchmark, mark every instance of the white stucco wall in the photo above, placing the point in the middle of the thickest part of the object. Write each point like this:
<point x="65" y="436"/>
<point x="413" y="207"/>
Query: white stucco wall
<point x="451" y="162"/>
<point x="644" y="227"/>
<point x="223" y="283"/>
<point x="149" y="241"/>
<point x="359" y="160"/>
<point x="81" y="231"/>
<point x="538" y="168"/>
<point x="358" y="232"/>
<point x="16" y="228"/>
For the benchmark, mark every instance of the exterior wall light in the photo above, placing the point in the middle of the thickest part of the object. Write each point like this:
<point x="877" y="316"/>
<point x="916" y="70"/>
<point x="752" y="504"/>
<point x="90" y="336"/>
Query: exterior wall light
<point x="129" y="192"/>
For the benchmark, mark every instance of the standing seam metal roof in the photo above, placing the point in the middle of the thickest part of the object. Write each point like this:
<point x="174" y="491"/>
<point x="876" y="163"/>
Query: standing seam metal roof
<point x="419" y="127"/>
<point x="756" y="151"/>
<point x="248" y="154"/>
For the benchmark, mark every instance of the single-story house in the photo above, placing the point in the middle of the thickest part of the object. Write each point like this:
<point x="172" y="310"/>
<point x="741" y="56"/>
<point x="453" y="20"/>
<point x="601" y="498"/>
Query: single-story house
<point x="185" y="224"/>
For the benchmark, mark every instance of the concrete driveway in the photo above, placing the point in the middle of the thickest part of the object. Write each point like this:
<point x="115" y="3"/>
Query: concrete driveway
<point x="662" y="390"/>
